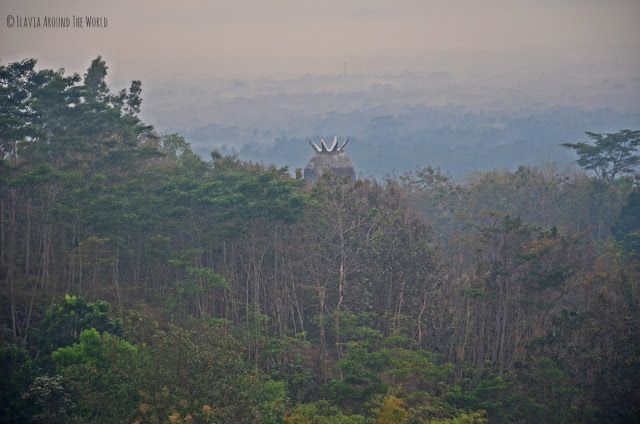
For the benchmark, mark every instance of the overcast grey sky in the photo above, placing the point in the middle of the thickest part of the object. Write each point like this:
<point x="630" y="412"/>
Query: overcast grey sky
<point x="155" y="39"/>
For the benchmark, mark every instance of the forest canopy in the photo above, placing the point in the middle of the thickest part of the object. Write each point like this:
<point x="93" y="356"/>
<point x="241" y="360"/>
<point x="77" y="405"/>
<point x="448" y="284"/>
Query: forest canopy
<point x="143" y="283"/>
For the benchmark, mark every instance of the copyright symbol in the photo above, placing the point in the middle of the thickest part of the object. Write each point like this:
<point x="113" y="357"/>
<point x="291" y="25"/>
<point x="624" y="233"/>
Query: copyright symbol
<point x="10" y="21"/>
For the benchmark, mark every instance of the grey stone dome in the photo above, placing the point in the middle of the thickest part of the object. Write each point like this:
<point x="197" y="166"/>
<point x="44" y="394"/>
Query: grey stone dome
<point x="332" y="159"/>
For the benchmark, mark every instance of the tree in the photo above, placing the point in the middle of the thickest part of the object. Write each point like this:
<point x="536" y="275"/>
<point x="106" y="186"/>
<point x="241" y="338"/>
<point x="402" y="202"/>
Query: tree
<point x="393" y="410"/>
<point x="95" y="85"/>
<point x="627" y="229"/>
<point x="99" y="371"/>
<point x="610" y="155"/>
<point x="63" y="324"/>
<point x="16" y="374"/>
<point x="16" y="104"/>
<point x="50" y="399"/>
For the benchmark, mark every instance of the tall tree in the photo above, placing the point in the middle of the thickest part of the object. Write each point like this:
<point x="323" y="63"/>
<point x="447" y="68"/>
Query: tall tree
<point x="610" y="154"/>
<point x="16" y="104"/>
<point x="627" y="228"/>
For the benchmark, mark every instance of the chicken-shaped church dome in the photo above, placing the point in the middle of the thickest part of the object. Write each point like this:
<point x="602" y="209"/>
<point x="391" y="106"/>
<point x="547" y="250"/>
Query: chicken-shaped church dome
<point x="329" y="159"/>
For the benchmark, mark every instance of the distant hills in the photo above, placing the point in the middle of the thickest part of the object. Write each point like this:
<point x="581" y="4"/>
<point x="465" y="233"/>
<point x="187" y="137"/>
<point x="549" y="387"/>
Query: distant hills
<point x="398" y="122"/>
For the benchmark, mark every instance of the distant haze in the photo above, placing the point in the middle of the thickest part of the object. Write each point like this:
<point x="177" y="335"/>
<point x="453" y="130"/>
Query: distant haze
<point x="241" y="72"/>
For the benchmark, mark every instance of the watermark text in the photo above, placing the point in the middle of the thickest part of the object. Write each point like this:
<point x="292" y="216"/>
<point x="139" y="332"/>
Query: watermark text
<point x="56" y="22"/>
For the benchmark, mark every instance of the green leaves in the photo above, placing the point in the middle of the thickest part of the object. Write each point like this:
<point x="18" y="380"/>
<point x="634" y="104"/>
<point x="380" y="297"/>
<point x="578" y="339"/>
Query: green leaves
<point x="16" y="104"/>
<point x="64" y="323"/>
<point x="94" y="79"/>
<point x="207" y="277"/>
<point x="94" y="349"/>
<point x="101" y="370"/>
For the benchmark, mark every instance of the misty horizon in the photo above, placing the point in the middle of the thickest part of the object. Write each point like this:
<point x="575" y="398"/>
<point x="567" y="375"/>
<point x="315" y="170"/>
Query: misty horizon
<point x="444" y="77"/>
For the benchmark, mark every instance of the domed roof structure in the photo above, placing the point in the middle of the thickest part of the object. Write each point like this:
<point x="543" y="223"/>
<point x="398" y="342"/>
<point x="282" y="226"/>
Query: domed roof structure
<point x="329" y="159"/>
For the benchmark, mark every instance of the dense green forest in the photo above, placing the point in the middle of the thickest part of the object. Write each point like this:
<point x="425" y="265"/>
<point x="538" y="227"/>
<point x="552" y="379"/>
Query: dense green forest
<point x="142" y="283"/>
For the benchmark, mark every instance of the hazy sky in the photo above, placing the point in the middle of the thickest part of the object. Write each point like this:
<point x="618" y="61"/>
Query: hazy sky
<point x="158" y="39"/>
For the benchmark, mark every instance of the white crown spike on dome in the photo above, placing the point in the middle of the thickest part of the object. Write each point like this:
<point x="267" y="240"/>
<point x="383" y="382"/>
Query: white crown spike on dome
<point x="324" y="146"/>
<point x="344" y="144"/>
<point x="334" y="145"/>
<point x="315" y="146"/>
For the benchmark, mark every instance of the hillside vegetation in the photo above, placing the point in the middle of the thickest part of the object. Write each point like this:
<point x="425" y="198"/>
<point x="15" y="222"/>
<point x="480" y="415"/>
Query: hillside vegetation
<point x="142" y="283"/>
